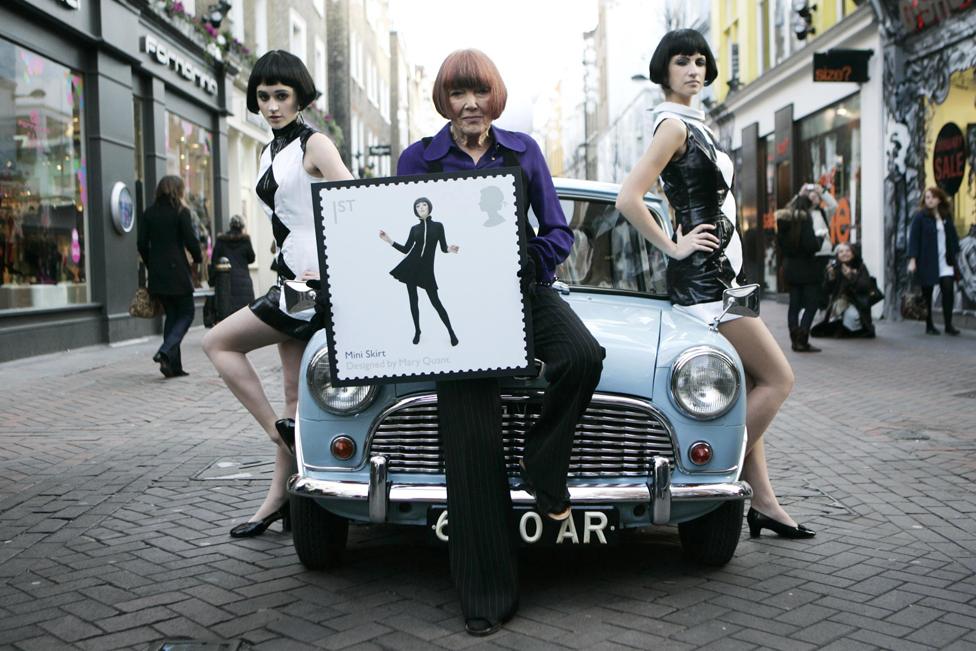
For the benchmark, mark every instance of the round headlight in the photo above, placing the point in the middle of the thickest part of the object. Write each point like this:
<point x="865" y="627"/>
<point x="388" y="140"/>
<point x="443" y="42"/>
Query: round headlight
<point x="341" y="401"/>
<point x="704" y="383"/>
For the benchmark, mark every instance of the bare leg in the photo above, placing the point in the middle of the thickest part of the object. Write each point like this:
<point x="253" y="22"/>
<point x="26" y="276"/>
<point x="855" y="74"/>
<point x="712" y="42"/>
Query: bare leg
<point x="227" y="345"/>
<point x="769" y="382"/>
<point x="291" y="359"/>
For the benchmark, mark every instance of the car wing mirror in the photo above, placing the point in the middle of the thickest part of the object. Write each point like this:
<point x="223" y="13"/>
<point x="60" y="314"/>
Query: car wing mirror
<point x="742" y="301"/>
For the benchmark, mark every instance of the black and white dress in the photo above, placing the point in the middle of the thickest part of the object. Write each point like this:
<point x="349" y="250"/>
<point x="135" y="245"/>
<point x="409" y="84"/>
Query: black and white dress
<point x="284" y="189"/>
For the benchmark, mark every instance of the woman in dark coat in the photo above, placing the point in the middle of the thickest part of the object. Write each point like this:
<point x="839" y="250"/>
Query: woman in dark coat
<point x="802" y="271"/>
<point x="165" y="237"/>
<point x="849" y="285"/>
<point x="417" y="269"/>
<point x="932" y="249"/>
<point x="235" y="245"/>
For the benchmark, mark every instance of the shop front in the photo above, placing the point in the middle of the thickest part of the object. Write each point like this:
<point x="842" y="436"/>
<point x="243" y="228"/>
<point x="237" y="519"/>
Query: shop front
<point x="98" y="101"/>
<point x="801" y="123"/>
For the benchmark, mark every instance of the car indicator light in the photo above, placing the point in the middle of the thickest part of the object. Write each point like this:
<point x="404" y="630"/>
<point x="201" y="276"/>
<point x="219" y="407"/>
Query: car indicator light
<point x="343" y="448"/>
<point x="700" y="453"/>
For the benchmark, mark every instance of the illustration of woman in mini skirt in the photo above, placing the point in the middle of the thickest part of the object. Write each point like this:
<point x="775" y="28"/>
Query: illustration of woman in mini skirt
<point x="417" y="268"/>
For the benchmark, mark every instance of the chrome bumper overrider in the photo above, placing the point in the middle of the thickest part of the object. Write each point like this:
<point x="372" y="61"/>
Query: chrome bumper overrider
<point x="659" y="493"/>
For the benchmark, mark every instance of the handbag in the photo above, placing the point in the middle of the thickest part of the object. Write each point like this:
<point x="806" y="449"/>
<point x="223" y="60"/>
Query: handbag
<point x="210" y="312"/>
<point x="913" y="303"/>
<point x="875" y="294"/>
<point x="144" y="306"/>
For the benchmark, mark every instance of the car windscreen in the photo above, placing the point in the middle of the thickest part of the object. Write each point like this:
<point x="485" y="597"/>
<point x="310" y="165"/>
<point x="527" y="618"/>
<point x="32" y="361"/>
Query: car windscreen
<point x="608" y="252"/>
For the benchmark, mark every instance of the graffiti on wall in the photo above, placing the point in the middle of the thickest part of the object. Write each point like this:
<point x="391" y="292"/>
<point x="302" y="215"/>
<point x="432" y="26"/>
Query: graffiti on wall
<point x="915" y="67"/>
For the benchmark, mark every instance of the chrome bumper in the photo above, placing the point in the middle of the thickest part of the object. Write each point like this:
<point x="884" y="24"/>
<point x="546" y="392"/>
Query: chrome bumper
<point x="659" y="493"/>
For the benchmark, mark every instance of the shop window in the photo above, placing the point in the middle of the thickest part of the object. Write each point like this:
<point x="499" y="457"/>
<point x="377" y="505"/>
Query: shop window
<point x="43" y="185"/>
<point x="829" y="153"/>
<point x="189" y="155"/>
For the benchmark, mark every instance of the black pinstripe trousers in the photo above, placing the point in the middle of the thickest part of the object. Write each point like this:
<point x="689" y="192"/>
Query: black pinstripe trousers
<point x="483" y="544"/>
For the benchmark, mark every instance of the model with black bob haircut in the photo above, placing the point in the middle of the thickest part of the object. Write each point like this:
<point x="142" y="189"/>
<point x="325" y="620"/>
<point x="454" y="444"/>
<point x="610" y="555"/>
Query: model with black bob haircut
<point x="280" y="67"/>
<point x="681" y="41"/>
<point x="279" y="88"/>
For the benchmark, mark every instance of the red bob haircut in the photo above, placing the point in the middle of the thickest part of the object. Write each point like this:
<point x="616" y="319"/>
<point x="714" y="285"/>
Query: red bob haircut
<point x="469" y="70"/>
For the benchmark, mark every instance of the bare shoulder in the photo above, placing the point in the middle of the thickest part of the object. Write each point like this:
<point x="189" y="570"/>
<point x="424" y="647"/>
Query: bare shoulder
<point x="671" y="130"/>
<point x="320" y="142"/>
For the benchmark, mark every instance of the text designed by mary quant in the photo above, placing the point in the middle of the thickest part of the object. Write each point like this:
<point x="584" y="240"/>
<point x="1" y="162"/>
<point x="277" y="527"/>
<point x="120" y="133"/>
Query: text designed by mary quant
<point x="378" y="361"/>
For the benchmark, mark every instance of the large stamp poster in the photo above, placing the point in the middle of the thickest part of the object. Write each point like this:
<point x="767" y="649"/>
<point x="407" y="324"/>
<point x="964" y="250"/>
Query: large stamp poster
<point x="422" y="275"/>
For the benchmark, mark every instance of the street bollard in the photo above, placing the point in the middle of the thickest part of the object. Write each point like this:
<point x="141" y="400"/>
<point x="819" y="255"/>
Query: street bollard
<point x="221" y="285"/>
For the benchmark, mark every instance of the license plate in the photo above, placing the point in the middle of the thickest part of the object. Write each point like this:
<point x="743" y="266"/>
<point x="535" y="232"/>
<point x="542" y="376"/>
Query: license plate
<point x="587" y="526"/>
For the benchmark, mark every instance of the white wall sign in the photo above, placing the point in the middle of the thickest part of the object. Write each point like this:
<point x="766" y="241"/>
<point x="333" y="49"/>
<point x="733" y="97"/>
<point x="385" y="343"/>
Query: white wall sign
<point x="122" y="208"/>
<point x="418" y="293"/>
<point x="166" y="56"/>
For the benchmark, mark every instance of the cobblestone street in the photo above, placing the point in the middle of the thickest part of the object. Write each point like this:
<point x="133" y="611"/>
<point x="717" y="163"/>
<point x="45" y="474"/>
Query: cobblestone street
<point x="111" y="536"/>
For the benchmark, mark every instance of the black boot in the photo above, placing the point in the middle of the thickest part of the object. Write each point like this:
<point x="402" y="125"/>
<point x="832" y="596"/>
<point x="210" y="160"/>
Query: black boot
<point x="793" y="343"/>
<point x="803" y="342"/>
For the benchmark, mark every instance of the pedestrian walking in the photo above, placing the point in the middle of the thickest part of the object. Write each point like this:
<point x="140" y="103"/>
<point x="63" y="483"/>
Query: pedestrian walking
<point x="165" y="238"/>
<point x="235" y="245"/>
<point x="933" y="246"/>
<point x="469" y="92"/>
<point x="705" y="252"/>
<point x="279" y="87"/>
<point x="798" y="245"/>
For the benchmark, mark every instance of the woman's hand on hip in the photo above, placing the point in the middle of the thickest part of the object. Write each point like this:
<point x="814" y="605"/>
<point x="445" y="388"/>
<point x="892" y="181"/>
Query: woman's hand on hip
<point x="698" y="239"/>
<point x="911" y="265"/>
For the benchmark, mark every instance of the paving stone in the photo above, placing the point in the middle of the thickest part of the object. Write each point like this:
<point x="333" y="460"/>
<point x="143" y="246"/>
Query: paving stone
<point x="122" y="533"/>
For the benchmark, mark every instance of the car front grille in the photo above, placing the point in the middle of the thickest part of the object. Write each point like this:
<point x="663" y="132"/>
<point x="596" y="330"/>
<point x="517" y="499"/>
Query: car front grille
<point x="616" y="437"/>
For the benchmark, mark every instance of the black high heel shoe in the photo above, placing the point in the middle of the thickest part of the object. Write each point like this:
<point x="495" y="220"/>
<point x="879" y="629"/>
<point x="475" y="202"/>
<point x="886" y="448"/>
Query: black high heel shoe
<point x="759" y="521"/>
<point x="286" y="430"/>
<point x="251" y="529"/>
<point x="564" y="510"/>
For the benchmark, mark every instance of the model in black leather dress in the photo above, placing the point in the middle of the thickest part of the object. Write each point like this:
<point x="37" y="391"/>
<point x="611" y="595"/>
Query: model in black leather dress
<point x="705" y="251"/>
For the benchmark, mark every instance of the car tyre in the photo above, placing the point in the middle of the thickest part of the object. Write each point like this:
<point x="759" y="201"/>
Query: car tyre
<point x="712" y="538"/>
<point x="319" y="536"/>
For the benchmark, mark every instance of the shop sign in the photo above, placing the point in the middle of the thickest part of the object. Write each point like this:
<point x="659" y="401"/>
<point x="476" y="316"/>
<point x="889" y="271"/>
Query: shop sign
<point x="122" y="208"/>
<point x="379" y="150"/>
<point x="181" y="65"/>
<point x="841" y="65"/>
<point x="918" y="15"/>
<point x="949" y="158"/>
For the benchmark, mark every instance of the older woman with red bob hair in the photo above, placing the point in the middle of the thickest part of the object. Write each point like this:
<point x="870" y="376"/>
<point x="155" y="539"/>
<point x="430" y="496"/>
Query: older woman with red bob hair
<point x="470" y="94"/>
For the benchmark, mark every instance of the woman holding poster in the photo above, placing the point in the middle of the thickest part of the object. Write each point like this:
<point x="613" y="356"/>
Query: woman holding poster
<point x="469" y="92"/>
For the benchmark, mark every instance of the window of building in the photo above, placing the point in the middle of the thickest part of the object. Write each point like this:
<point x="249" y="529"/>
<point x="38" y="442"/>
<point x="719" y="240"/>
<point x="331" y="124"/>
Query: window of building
<point x="189" y="155"/>
<point x="43" y="182"/>
<point x="319" y="7"/>
<point x="320" y="72"/>
<point x="297" y="39"/>
<point x="829" y="153"/>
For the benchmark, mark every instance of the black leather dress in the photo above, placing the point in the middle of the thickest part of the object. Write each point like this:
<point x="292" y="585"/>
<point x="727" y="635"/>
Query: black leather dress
<point x="696" y="190"/>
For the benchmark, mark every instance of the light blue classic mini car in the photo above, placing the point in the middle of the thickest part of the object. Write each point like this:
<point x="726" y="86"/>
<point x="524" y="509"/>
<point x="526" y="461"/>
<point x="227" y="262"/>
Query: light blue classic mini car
<point x="661" y="443"/>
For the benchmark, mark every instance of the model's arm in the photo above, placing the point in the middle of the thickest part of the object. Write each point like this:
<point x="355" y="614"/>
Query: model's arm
<point x="667" y="141"/>
<point x="322" y="155"/>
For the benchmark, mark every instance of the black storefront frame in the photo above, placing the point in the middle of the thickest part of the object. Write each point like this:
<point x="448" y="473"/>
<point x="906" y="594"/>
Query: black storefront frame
<point x="102" y="41"/>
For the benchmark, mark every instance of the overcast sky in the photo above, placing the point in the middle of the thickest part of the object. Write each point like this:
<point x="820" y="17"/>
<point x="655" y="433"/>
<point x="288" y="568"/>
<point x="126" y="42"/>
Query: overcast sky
<point x="533" y="42"/>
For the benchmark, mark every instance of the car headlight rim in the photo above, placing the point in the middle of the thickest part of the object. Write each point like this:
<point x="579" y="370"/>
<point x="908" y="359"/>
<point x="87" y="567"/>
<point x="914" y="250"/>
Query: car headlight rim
<point x="317" y="375"/>
<point x="682" y="362"/>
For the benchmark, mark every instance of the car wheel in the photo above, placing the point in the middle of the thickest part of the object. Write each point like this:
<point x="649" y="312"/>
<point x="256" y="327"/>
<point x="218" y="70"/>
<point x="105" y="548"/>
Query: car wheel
<point x="319" y="536"/>
<point x="712" y="538"/>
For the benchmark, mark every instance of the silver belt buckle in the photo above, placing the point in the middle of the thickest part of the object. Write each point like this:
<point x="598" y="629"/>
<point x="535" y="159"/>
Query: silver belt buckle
<point x="298" y="296"/>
